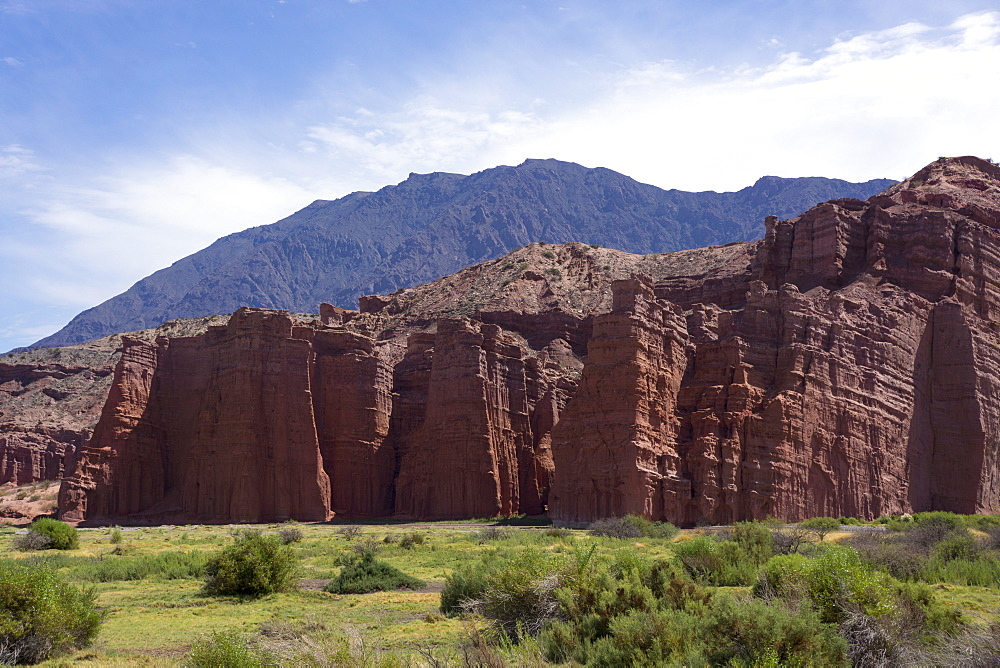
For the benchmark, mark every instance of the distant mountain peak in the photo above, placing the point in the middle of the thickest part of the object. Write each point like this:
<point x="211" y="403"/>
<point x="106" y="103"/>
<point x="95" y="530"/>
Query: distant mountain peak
<point x="431" y="225"/>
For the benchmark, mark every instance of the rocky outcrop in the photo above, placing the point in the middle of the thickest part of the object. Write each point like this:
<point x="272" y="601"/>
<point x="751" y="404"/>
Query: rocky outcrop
<point x="50" y="400"/>
<point x="218" y="428"/>
<point x="846" y="364"/>
<point x="858" y="377"/>
<point x="49" y="403"/>
<point x="476" y="441"/>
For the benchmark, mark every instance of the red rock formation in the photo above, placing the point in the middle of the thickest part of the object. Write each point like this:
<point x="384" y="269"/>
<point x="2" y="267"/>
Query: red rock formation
<point x="353" y="401"/>
<point x="213" y="429"/>
<point x="847" y="364"/>
<point x="469" y="448"/>
<point x="48" y="404"/>
<point x="858" y="378"/>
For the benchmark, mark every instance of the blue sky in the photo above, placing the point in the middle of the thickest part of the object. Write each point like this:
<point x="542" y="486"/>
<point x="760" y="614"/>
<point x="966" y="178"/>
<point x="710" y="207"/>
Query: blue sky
<point x="134" y="132"/>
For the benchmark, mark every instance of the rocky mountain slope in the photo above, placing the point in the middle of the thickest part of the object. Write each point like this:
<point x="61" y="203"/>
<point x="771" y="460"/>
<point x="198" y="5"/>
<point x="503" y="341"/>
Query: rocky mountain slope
<point x="846" y="364"/>
<point x="431" y="225"/>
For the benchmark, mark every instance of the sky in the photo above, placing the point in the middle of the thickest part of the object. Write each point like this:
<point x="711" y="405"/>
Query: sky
<point x="136" y="132"/>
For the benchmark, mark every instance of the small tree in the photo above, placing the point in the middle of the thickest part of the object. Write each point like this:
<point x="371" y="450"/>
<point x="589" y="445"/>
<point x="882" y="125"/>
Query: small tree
<point x="820" y="526"/>
<point x="254" y="565"/>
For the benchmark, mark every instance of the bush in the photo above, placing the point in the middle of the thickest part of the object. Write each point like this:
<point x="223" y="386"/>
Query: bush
<point x="635" y="612"/>
<point x="463" y="585"/>
<point x="41" y="615"/>
<point x="725" y="563"/>
<point x="61" y="535"/>
<point x="411" y="540"/>
<point x="650" y="529"/>
<point x="493" y="533"/>
<point x="227" y="649"/>
<point x="349" y="532"/>
<point x="558" y="532"/>
<point x="31" y="542"/>
<point x="290" y="535"/>
<point x="838" y="580"/>
<point x="254" y="565"/>
<point x="362" y="574"/>
<point x="615" y="527"/>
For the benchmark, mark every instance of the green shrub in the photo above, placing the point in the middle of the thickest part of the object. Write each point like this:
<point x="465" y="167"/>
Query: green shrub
<point x="412" y="540"/>
<point x="725" y="563"/>
<point x="839" y="580"/>
<point x="254" y="565"/>
<point x="115" y="535"/>
<point x="650" y="529"/>
<point x="227" y="649"/>
<point x="558" y="532"/>
<point x="548" y="254"/>
<point x="756" y="539"/>
<point x="784" y="576"/>
<point x="161" y="566"/>
<point x="362" y="573"/>
<point x="41" y="615"/>
<point x="61" y="535"/>
<point x="630" y="611"/>
<point x="463" y="585"/>
<point x="956" y="546"/>
<point x="519" y="597"/>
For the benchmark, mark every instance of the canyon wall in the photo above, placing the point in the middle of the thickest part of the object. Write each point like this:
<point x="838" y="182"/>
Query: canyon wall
<point x="847" y="364"/>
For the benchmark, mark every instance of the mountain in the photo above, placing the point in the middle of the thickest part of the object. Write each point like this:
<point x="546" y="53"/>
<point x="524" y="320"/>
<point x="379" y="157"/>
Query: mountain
<point x="431" y="225"/>
<point x="848" y="363"/>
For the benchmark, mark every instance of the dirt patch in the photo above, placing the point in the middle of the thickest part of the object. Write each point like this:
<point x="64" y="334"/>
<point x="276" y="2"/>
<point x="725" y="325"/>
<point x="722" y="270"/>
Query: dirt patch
<point x="313" y="585"/>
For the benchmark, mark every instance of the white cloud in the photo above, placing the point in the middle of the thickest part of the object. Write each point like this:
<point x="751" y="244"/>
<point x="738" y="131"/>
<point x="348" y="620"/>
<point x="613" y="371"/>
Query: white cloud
<point x="877" y="104"/>
<point x="16" y="160"/>
<point x="148" y="216"/>
<point x="424" y="136"/>
<point x="881" y="104"/>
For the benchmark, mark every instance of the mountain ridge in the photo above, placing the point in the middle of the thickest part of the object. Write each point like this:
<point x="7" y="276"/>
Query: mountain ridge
<point x="431" y="225"/>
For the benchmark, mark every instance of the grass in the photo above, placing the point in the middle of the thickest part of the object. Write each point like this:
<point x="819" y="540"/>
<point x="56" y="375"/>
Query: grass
<point x="154" y="621"/>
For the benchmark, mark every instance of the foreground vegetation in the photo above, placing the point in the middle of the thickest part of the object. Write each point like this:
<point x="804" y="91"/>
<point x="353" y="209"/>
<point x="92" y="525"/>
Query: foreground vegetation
<point x="921" y="590"/>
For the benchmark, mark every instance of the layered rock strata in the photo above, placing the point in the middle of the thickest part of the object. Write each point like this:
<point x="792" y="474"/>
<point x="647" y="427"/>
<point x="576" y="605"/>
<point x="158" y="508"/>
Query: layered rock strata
<point x="847" y="364"/>
<point x="858" y="377"/>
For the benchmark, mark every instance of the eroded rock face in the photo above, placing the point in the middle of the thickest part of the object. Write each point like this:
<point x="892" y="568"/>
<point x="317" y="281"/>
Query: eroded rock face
<point x="847" y="364"/>
<point x="857" y="378"/>
<point x="217" y="428"/>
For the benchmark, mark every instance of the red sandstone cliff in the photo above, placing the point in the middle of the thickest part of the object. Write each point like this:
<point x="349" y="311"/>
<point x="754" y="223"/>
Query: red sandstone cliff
<point x="847" y="364"/>
<point x="858" y="378"/>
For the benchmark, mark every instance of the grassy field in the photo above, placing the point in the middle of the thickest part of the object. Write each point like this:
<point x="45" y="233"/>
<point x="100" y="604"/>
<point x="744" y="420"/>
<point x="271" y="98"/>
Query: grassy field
<point x="155" y="620"/>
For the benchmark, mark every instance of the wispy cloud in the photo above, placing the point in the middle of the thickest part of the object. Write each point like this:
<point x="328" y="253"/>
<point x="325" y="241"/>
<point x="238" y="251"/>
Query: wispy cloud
<point x="16" y="160"/>
<point x="423" y="136"/>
